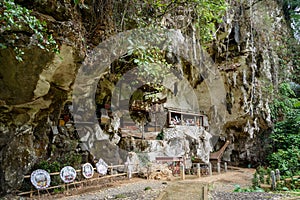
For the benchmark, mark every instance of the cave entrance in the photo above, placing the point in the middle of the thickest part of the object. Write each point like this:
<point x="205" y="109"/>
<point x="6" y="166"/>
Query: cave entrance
<point x="144" y="110"/>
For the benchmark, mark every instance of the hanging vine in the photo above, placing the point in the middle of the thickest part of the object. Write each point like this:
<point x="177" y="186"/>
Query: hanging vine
<point x="16" y="20"/>
<point x="179" y="14"/>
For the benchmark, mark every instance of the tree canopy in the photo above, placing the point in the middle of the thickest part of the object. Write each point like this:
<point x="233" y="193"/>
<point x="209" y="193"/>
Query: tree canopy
<point x="285" y="154"/>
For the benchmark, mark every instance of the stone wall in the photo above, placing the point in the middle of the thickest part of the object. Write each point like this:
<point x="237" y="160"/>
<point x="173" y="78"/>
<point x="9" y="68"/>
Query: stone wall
<point x="251" y="71"/>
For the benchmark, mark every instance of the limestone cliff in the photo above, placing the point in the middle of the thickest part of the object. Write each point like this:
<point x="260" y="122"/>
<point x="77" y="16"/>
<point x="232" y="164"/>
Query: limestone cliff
<point x="34" y="93"/>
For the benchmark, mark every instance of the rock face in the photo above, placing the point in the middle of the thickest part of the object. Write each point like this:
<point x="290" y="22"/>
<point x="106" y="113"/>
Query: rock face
<point x="33" y="93"/>
<point x="251" y="65"/>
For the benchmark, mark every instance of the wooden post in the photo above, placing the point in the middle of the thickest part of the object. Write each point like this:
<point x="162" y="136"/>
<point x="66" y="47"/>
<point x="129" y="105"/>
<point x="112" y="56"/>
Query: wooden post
<point x="49" y="192"/>
<point x="182" y="173"/>
<point x="143" y="130"/>
<point x="273" y="180"/>
<point x="68" y="192"/>
<point x="111" y="169"/>
<point x="277" y="173"/>
<point x="209" y="169"/>
<point x="205" y="193"/>
<point x="198" y="170"/>
<point x="219" y="168"/>
<point x="39" y="194"/>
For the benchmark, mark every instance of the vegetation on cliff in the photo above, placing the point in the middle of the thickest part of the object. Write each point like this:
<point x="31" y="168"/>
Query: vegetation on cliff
<point x="285" y="108"/>
<point x="16" y="21"/>
<point x="286" y="132"/>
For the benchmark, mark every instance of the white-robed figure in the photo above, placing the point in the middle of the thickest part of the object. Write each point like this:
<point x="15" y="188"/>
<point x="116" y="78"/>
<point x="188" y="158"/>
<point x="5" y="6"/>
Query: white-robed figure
<point x="132" y="162"/>
<point x="204" y="147"/>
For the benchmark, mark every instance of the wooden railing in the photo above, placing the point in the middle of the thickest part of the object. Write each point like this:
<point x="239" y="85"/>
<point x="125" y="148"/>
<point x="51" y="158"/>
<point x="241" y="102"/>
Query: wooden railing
<point x="96" y="177"/>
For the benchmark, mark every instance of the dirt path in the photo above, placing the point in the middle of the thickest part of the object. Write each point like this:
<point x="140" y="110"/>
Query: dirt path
<point x="226" y="182"/>
<point x="191" y="188"/>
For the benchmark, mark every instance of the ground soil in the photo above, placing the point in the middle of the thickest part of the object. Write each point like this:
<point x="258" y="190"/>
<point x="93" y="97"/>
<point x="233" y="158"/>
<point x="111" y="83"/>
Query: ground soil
<point x="217" y="186"/>
<point x="175" y="189"/>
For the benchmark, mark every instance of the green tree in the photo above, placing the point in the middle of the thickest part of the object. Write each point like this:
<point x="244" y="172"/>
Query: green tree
<point x="285" y="102"/>
<point x="286" y="133"/>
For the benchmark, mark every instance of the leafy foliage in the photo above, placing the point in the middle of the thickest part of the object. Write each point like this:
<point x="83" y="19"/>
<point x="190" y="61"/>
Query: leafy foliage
<point x="262" y="172"/>
<point x="286" y="132"/>
<point x="120" y="196"/>
<point x="160" y="136"/>
<point x="16" y="19"/>
<point x="149" y="70"/>
<point x="49" y="166"/>
<point x="190" y="16"/>
<point x="255" y="189"/>
<point x="287" y="161"/>
<point x="69" y="158"/>
<point x="284" y="103"/>
<point x="255" y="180"/>
<point x="263" y="176"/>
<point x="147" y="188"/>
<point x="151" y="64"/>
<point x="187" y="15"/>
<point x="81" y="4"/>
<point x="291" y="8"/>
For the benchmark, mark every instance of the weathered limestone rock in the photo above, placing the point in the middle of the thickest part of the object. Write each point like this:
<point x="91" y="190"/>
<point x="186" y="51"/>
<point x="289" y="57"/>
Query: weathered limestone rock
<point x="60" y="72"/>
<point x="29" y="100"/>
<point x="65" y="70"/>
<point x="249" y="64"/>
<point x="33" y="93"/>
<point x="109" y="152"/>
<point x="158" y="172"/>
<point x="181" y="141"/>
<point x="42" y="87"/>
<point x="181" y="88"/>
<point x="19" y="79"/>
<point x="191" y="141"/>
<point x="17" y="159"/>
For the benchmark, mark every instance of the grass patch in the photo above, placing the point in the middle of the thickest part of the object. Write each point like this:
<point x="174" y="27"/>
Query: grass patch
<point x="239" y="189"/>
<point x="120" y="196"/>
<point x="148" y="188"/>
